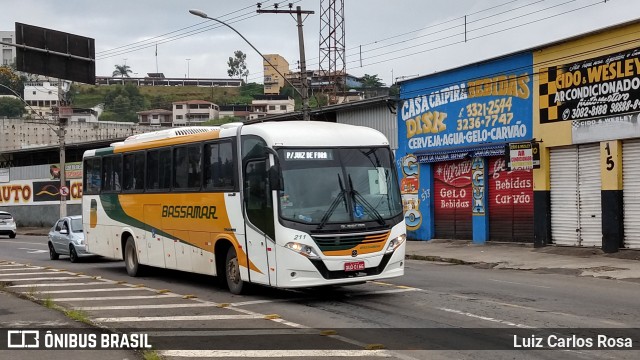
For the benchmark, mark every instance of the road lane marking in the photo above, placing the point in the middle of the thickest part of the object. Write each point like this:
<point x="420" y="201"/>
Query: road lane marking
<point x="22" y="242"/>
<point x="33" y="251"/>
<point x="32" y="273"/>
<point x="374" y="292"/>
<point x="24" y="268"/>
<point x="58" y="285"/>
<point x="517" y="283"/>
<point x="177" y="318"/>
<point x="504" y="322"/>
<point x="274" y="353"/>
<point x="52" y="278"/>
<point x="135" y="297"/>
<point x="84" y="290"/>
<point x="135" y="307"/>
<point x="243" y="332"/>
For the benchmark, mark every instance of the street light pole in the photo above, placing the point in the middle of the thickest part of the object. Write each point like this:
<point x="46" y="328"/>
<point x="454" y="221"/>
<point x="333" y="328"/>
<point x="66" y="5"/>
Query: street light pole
<point x="304" y="94"/>
<point x="188" y="75"/>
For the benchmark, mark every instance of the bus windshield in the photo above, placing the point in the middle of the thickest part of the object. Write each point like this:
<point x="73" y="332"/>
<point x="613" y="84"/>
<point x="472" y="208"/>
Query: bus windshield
<point x="345" y="185"/>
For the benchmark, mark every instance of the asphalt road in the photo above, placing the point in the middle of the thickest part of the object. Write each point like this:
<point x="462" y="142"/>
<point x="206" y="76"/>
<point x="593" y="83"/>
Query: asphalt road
<point x="436" y="311"/>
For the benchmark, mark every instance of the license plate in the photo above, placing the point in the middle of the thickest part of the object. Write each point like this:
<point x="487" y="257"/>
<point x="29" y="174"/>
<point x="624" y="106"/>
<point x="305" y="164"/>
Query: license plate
<point x="354" y="266"/>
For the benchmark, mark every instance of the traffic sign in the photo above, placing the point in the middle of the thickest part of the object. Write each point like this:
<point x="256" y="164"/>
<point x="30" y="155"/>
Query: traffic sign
<point x="64" y="191"/>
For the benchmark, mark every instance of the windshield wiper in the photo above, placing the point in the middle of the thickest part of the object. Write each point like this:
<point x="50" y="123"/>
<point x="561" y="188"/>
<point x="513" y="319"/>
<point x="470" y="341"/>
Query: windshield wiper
<point x="333" y="205"/>
<point x="367" y="205"/>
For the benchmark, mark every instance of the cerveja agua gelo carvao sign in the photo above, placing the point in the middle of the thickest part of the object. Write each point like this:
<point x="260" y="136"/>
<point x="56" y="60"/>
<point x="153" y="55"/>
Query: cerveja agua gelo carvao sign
<point x="485" y="104"/>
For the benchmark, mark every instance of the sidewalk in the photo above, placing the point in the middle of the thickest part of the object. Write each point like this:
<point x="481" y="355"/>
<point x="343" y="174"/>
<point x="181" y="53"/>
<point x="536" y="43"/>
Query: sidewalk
<point x="569" y="260"/>
<point x="23" y="314"/>
<point x="624" y="264"/>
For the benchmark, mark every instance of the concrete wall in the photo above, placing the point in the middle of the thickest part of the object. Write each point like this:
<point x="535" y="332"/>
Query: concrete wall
<point x="41" y="215"/>
<point x="19" y="134"/>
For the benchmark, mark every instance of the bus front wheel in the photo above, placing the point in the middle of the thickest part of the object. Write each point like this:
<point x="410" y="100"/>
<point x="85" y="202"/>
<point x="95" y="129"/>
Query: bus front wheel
<point x="131" y="258"/>
<point x="232" y="272"/>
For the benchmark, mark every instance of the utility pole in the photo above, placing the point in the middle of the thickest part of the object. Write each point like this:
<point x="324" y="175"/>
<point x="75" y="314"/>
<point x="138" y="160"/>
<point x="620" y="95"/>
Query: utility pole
<point x="303" y="65"/>
<point x="63" y="112"/>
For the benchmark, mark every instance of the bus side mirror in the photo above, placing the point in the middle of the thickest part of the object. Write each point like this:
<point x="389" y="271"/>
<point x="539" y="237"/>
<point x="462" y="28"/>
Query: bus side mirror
<point x="274" y="178"/>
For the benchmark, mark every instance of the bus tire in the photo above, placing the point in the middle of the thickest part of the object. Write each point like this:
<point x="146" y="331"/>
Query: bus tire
<point x="232" y="272"/>
<point x="131" y="258"/>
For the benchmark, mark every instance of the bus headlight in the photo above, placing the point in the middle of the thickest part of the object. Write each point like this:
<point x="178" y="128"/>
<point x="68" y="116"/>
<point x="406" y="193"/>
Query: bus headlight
<point x="395" y="243"/>
<point x="304" y="250"/>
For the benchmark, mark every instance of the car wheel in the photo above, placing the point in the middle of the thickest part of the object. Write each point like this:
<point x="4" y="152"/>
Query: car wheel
<point x="73" y="255"/>
<point x="53" y="255"/>
<point x="12" y="235"/>
<point x="131" y="258"/>
<point x="232" y="272"/>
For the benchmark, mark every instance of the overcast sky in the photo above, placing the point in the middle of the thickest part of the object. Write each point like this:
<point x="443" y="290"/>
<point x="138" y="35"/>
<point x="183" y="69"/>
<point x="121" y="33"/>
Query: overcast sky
<point x="389" y="38"/>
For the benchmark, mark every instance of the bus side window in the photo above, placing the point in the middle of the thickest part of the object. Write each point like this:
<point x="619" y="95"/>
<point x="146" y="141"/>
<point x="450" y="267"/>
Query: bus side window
<point x="138" y="179"/>
<point x="180" y="166"/>
<point x="218" y="166"/>
<point x="152" y="170"/>
<point x="92" y="176"/>
<point x="128" y="172"/>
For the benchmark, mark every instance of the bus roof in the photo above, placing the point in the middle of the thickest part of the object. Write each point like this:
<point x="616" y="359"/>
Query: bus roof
<point x="284" y="133"/>
<point x="315" y="133"/>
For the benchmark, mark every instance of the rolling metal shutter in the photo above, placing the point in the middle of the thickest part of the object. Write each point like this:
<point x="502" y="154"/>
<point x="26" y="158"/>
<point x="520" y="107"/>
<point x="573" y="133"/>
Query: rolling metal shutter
<point x="631" y="193"/>
<point x="510" y="203"/>
<point x="590" y="195"/>
<point x="564" y="196"/>
<point x="452" y="200"/>
<point x="576" y="210"/>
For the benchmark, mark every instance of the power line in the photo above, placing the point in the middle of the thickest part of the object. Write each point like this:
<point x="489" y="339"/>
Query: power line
<point x="460" y="33"/>
<point x="171" y="32"/>
<point x="133" y="47"/>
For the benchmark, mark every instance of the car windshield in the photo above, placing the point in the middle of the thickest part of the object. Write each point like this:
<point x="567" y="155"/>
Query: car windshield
<point x="5" y="217"/>
<point x="76" y="225"/>
<point x="338" y="185"/>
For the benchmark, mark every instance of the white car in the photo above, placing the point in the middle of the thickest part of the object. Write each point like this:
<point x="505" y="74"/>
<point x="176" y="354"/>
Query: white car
<point x="7" y="224"/>
<point x="66" y="238"/>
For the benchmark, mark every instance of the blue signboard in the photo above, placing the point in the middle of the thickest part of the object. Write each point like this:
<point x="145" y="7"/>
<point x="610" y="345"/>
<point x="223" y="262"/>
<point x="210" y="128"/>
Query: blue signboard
<point x="481" y="104"/>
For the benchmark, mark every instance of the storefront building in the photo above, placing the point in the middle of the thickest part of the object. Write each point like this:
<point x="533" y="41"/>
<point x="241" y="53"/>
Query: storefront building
<point x="452" y="131"/>
<point x="588" y="118"/>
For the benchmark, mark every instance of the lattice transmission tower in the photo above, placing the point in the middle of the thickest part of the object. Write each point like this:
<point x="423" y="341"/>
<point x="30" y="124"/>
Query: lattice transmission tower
<point x="333" y="71"/>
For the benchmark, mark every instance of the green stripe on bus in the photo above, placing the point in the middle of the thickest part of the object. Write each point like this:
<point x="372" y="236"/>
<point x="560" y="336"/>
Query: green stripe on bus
<point x="114" y="210"/>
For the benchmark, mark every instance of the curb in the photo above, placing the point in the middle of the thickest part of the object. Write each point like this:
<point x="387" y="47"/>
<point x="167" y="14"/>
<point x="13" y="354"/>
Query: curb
<point x="441" y="259"/>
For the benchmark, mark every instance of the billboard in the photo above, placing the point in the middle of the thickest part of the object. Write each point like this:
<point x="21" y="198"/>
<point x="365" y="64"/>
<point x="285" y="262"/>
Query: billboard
<point x="484" y="104"/>
<point x="61" y="55"/>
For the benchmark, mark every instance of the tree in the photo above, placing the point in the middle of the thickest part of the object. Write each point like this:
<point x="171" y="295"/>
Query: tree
<point x="122" y="71"/>
<point x="371" y="81"/>
<point x="11" y="108"/>
<point x="11" y="79"/>
<point x="237" y="65"/>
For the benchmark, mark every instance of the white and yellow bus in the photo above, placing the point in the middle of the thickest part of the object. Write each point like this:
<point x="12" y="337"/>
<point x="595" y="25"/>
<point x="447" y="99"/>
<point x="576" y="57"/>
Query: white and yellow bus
<point x="282" y="204"/>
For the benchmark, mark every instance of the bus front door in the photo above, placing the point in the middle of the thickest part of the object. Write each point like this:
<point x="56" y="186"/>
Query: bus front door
<point x="259" y="214"/>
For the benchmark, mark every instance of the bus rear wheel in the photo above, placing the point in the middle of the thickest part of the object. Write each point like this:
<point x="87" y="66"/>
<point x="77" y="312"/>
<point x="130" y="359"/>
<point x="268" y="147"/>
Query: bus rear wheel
<point x="232" y="272"/>
<point x="131" y="258"/>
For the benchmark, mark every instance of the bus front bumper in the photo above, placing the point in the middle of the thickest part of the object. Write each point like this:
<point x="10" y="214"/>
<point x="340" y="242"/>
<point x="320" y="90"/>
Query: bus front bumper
<point x="304" y="272"/>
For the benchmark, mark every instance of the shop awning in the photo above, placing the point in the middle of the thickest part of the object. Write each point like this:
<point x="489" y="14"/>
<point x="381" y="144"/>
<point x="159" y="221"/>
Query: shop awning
<point x="460" y="153"/>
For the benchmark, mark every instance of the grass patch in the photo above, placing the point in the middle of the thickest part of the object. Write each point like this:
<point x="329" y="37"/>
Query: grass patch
<point x="4" y="284"/>
<point x="48" y="303"/>
<point x="33" y="290"/>
<point x="151" y="355"/>
<point x="78" y="315"/>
